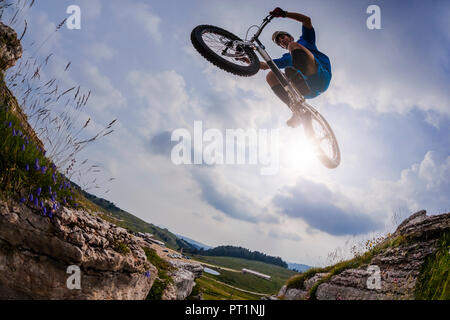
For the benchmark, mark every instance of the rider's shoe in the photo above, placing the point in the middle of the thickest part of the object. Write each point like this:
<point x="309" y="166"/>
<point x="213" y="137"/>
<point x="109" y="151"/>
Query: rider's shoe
<point x="294" y="121"/>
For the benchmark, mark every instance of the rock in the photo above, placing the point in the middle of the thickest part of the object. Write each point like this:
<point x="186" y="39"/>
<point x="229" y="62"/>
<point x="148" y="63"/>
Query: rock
<point x="399" y="266"/>
<point x="35" y="253"/>
<point x="10" y="47"/>
<point x="183" y="281"/>
<point x="195" y="268"/>
<point x="183" y="277"/>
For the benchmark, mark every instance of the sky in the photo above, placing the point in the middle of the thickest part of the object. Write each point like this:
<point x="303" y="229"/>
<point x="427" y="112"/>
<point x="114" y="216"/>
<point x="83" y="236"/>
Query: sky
<point x="388" y="104"/>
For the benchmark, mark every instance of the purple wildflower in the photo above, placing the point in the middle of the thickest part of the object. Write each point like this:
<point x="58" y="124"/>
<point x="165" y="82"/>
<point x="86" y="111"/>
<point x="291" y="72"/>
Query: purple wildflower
<point x="14" y="132"/>
<point x="19" y="133"/>
<point x="27" y="167"/>
<point x="36" y="201"/>
<point x="147" y="274"/>
<point x="53" y="198"/>
<point x="23" y="147"/>
<point x="50" y="213"/>
<point x="23" y="200"/>
<point x="43" y="169"/>
<point x="42" y="204"/>
<point x="39" y="190"/>
<point x="44" y="211"/>
<point x="10" y="124"/>
<point x="49" y="189"/>
<point x="30" y="197"/>
<point x="36" y="164"/>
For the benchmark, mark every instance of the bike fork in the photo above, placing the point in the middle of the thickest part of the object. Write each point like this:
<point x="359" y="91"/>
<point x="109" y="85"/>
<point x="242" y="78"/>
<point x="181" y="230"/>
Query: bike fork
<point x="296" y="98"/>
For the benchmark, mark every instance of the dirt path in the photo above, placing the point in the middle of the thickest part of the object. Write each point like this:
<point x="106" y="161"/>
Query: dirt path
<point x="239" y="289"/>
<point x="216" y="267"/>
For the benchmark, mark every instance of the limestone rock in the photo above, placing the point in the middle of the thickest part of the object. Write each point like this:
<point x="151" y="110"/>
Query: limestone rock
<point x="35" y="253"/>
<point x="399" y="265"/>
<point x="183" y="278"/>
<point x="10" y="47"/>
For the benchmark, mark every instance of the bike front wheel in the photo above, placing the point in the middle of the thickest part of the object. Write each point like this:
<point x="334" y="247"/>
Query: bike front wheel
<point x="320" y="133"/>
<point x="219" y="47"/>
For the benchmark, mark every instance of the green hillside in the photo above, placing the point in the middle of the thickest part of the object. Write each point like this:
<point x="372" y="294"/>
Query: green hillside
<point x="132" y="223"/>
<point x="279" y="275"/>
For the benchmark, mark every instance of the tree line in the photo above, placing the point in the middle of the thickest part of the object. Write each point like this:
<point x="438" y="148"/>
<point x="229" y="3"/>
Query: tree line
<point x="239" y="252"/>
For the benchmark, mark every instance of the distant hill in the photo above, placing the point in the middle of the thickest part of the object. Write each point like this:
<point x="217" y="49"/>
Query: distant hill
<point x="299" y="267"/>
<point x="126" y="220"/>
<point x="243" y="253"/>
<point x="194" y="243"/>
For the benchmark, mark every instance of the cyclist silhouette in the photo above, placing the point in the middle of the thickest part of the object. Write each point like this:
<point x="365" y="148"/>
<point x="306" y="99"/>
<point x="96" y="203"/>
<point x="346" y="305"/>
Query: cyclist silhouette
<point x="309" y="69"/>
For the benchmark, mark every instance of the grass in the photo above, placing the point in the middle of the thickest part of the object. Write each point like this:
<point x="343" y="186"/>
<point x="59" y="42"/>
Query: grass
<point x="27" y="175"/>
<point x="163" y="279"/>
<point x="358" y="261"/>
<point x="121" y="248"/>
<point x="433" y="282"/>
<point x="249" y="282"/>
<point x="212" y="290"/>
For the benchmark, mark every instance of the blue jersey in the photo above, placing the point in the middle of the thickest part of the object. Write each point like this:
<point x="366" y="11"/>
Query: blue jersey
<point x="320" y="81"/>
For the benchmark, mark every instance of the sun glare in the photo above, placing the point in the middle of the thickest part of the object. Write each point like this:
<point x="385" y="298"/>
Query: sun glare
<point x="298" y="152"/>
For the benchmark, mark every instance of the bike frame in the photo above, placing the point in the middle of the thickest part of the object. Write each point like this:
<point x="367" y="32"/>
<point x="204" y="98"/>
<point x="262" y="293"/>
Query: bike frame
<point x="298" y="105"/>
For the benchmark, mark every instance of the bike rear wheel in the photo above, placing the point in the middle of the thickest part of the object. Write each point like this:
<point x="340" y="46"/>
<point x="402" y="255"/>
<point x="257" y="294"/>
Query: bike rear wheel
<point x="218" y="47"/>
<point x="319" y="131"/>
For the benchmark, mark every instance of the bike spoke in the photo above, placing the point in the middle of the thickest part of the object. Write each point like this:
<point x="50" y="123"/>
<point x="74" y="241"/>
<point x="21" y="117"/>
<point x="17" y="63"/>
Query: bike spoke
<point x="324" y="142"/>
<point x="213" y="41"/>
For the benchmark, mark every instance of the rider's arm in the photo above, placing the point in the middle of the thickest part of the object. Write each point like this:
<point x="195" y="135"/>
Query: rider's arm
<point x="300" y="18"/>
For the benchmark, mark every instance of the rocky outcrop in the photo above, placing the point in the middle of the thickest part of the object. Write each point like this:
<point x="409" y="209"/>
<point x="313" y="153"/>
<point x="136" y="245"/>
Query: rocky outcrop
<point x="10" y="47"/>
<point x="183" y="278"/>
<point x="303" y="293"/>
<point x="36" y="254"/>
<point x="10" y="52"/>
<point x="397" y="265"/>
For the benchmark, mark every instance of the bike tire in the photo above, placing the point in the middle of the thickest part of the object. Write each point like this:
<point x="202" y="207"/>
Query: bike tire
<point x="333" y="161"/>
<point x="226" y="65"/>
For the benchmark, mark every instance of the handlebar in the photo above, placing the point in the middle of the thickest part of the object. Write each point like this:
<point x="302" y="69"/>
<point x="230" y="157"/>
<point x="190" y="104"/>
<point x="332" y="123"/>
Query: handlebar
<point x="265" y="22"/>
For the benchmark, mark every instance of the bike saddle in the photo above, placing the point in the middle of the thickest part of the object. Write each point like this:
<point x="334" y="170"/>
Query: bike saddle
<point x="298" y="81"/>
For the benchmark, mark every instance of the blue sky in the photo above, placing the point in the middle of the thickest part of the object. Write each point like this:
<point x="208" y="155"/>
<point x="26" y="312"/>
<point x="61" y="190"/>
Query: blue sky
<point x="388" y="104"/>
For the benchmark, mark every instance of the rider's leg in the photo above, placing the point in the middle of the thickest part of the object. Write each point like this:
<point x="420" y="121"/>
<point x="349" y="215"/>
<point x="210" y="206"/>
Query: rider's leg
<point x="283" y="95"/>
<point x="302" y="59"/>
<point x="277" y="88"/>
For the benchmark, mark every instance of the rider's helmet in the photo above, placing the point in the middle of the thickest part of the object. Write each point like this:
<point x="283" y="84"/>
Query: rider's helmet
<point x="279" y="33"/>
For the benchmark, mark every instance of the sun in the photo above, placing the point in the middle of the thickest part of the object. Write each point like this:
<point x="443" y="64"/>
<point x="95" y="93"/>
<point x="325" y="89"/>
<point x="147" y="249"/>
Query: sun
<point x="297" y="151"/>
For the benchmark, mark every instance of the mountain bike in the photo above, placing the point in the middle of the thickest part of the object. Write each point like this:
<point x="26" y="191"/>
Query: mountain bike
<point x="237" y="56"/>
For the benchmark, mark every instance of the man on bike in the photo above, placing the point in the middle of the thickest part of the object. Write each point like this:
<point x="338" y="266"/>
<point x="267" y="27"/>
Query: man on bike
<point x="309" y="69"/>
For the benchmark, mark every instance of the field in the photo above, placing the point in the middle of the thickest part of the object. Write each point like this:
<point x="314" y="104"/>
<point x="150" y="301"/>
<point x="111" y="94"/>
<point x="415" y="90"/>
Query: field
<point x="212" y="290"/>
<point x="249" y="282"/>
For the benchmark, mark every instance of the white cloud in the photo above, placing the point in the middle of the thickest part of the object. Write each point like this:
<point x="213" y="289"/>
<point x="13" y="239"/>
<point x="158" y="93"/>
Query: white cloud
<point x="90" y="9"/>
<point x="164" y="99"/>
<point x="424" y="185"/>
<point x="104" y="95"/>
<point x="100" y="51"/>
<point x="141" y="14"/>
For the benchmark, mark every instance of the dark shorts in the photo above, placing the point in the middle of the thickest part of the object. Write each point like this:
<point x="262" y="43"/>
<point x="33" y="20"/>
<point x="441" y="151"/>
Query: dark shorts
<point x="318" y="82"/>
